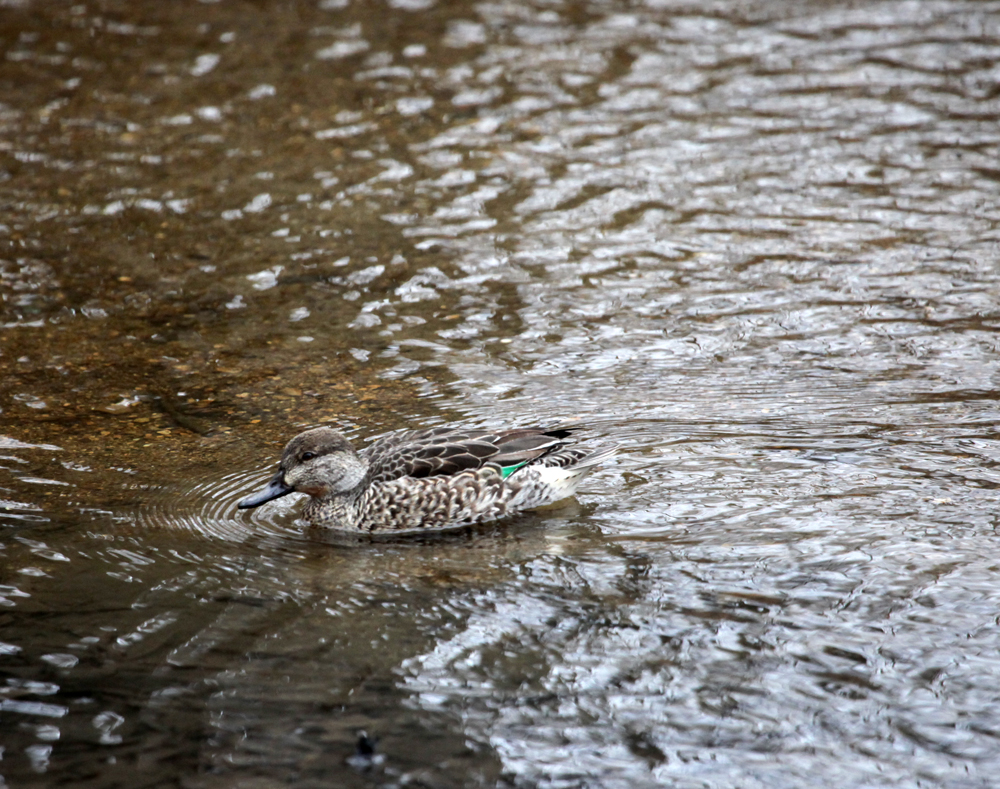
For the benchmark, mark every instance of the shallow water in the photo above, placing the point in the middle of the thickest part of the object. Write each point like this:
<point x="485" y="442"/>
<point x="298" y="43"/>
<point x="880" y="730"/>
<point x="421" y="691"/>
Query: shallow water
<point x="755" y="244"/>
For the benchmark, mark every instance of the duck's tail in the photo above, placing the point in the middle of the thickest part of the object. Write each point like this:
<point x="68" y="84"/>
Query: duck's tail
<point x="556" y="476"/>
<point x="595" y="458"/>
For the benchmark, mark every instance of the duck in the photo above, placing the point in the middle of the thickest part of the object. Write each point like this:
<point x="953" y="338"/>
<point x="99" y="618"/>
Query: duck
<point x="430" y="480"/>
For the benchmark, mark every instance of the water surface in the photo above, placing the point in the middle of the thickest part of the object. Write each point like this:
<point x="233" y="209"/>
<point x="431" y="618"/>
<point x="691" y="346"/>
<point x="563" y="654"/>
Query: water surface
<point x="755" y="244"/>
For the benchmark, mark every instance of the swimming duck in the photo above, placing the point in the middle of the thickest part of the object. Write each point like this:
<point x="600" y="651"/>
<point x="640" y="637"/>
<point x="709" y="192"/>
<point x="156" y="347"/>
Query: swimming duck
<point x="428" y="480"/>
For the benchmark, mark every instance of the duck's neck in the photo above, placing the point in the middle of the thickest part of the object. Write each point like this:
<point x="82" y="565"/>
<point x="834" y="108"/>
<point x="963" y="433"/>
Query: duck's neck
<point x="336" y="511"/>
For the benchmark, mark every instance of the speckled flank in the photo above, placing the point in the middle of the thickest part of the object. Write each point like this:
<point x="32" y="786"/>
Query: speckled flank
<point x="440" y="502"/>
<point x="436" y="502"/>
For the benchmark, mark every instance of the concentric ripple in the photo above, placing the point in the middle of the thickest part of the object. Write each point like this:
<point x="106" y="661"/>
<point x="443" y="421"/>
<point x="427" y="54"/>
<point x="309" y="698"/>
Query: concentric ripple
<point x="208" y="509"/>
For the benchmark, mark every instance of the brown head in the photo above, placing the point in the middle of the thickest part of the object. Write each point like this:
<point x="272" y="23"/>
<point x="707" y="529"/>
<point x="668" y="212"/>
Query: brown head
<point x="320" y="462"/>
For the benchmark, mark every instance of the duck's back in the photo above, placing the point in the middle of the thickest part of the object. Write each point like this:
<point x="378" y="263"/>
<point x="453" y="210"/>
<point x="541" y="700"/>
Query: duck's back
<point x="446" y="452"/>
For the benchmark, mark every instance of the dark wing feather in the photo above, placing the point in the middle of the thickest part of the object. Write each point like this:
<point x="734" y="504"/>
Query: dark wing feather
<point x="445" y="451"/>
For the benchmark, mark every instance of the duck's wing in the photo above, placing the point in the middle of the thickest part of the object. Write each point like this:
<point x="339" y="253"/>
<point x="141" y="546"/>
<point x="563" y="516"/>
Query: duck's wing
<point x="444" y="451"/>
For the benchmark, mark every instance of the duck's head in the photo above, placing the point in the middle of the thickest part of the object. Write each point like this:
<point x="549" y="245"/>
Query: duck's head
<point x="320" y="462"/>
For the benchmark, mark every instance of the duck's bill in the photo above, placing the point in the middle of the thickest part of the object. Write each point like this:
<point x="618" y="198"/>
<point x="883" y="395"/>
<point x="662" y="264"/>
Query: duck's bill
<point x="275" y="489"/>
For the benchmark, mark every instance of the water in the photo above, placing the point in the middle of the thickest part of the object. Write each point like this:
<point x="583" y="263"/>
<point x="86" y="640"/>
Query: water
<point x="755" y="244"/>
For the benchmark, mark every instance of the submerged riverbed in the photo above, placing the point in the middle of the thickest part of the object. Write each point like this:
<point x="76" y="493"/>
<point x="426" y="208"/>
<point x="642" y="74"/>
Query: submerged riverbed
<point x="753" y="243"/>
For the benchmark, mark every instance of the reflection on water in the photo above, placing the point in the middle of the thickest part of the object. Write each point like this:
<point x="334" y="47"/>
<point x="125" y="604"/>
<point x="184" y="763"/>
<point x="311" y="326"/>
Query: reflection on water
<point x="755" y="245"/>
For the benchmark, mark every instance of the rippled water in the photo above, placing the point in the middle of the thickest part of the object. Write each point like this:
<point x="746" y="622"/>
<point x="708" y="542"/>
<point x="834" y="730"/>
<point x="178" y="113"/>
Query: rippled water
<point x="755" y="244"/>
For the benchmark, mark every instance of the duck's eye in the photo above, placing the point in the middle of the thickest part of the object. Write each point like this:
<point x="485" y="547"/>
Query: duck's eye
<point x="307" y="456"/>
